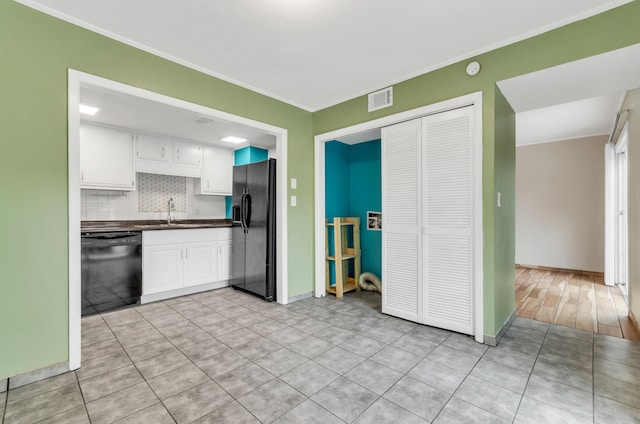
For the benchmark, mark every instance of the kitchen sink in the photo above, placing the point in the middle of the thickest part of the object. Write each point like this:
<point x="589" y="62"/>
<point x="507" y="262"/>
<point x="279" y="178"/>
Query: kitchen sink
<point x="172" y="225"/>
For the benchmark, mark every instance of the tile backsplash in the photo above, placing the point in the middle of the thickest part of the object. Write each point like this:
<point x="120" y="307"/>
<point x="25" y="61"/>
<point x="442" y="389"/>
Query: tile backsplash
<point x="155" y="190"/>
<point x="150" y="199"/>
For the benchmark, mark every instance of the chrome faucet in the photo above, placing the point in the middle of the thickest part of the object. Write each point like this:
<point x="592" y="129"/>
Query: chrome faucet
<point x="171" y="206"/>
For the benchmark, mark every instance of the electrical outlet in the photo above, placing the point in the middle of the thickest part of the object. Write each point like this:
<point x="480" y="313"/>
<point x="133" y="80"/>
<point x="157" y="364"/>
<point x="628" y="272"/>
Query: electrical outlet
<point x="294" y="201"/>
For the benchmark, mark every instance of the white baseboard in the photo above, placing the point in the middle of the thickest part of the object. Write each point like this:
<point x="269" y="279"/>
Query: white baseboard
<point x="300" y="297"/>
<point x="37" y="375"/>
<point x="493" y="341"/>
<point x="154" y="297"/>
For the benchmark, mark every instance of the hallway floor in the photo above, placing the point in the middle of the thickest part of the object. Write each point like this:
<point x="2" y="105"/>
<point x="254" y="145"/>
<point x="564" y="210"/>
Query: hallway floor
<point x="576" y="301"/>
<point x="226" y="357"/>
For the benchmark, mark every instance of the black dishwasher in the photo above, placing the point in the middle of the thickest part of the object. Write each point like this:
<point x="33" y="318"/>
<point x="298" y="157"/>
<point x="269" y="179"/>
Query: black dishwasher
<point x="111" y="270"/>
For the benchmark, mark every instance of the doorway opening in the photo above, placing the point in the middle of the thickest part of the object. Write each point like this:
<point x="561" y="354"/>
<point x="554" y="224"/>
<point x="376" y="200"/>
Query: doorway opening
<point x="476" y="253"/>
<point x="570" y="280"/>
<point x="77" y="81"/>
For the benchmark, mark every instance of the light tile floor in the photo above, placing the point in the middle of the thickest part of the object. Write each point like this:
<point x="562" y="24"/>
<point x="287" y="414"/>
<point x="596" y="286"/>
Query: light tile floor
<point x="227" y="357"/>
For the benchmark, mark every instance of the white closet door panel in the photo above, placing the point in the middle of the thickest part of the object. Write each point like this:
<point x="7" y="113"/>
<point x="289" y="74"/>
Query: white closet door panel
<point x="401" y="289"/>
<point x="401" y="220"/>
<point x="448" y="297"/>
<point x="447" y="211"/>
<point x="401" y="175"/>
<point x="447" y="170"/>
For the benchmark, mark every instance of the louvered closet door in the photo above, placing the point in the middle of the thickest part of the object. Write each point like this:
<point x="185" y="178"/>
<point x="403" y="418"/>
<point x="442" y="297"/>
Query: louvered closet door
<point x="401" y="221"/>
<point x="447" y="170"/>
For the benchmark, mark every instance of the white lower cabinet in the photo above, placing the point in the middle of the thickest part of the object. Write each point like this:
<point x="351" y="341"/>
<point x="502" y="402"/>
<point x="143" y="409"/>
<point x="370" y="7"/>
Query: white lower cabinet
<point x="179" y="262"/>
<point x="200" y="263"/>
<point x="224" y="260"/>
<point x="163" y="268"/>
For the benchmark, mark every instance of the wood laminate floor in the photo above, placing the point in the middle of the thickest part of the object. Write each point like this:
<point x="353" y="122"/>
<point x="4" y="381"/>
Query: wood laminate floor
<point x="573" y="300"/>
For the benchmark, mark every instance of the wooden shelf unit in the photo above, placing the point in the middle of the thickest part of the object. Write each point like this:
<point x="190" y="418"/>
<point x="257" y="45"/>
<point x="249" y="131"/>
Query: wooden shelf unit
<point x="343" y="227"/>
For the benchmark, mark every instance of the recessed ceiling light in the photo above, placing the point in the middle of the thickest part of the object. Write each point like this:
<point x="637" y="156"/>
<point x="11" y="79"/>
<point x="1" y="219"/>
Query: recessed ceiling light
<point x="235" y="140"/>
<point x="88" y="110"/>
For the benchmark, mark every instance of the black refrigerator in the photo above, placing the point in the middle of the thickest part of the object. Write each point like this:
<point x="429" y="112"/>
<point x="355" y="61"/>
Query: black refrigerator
<point x="253" y="260"/>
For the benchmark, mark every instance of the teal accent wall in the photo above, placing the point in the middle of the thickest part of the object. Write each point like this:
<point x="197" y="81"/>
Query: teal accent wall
<point x="353" y="187"/>
<point x="228" y="206"/>
<point x="337" y="180"/>
<point x="366" y="195"/>
<point x="241" y="156"/>
<point x="249" y="154"/>
<point x="244" y="156"/>
<point x="337" y="190"/>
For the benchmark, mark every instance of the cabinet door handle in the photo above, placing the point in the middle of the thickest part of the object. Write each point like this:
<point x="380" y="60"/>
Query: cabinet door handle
<point x="162" y="152"/>
<point x="82" y="175"/>
<point x="178" y="153"/>
<point x="207" y="182"/>
<point x="181" y="254"/>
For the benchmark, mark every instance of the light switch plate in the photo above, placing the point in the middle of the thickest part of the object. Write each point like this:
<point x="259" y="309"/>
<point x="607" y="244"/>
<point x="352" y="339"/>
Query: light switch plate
<point x="499" y="199"/>
<point x="294" y="183"/>
<point x="294" y="201"/>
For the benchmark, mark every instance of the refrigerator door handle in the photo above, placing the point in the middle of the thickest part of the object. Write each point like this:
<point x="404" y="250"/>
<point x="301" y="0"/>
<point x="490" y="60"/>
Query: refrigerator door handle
<point x="242" y="213"/>
<point x="246" y="207"/>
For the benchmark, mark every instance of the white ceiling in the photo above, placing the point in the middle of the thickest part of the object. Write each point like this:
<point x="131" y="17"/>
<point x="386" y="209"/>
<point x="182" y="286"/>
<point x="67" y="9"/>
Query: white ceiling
<point x="128" y="111"/>
<point x="576" y="99"/>
<point x="583" y="118"/>
<point x="317" y="53"/>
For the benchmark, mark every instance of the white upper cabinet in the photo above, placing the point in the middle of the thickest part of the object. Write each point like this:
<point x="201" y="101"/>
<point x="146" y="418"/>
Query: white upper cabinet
<point x="217" y="171"/>
<point x="106" y="159"/>
<point x="161" y="155"/>
<point x="153" y="147"/>
<point x="187" y="153"/>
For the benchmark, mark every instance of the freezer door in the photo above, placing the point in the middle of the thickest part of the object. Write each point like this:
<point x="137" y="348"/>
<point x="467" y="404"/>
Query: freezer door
<point x="256" y="247"/>
<point x="238" y="243"/>
<point x="239" y="188"/>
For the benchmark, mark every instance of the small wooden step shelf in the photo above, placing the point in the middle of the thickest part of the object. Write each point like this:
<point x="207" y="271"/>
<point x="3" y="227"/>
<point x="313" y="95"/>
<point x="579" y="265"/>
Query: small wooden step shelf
<point x="344" y="229"/>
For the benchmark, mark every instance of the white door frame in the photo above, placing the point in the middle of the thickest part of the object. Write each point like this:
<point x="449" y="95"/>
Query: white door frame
<point x="621" y="269"/>
<point x="610" y="220"/>
<point x="611" y="249"/>
<point x="75" y="80"/>
<point x="474" y="99"/>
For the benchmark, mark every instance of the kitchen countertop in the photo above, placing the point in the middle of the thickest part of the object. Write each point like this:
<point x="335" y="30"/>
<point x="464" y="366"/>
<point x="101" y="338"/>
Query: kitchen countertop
<point x="110" y="226"/>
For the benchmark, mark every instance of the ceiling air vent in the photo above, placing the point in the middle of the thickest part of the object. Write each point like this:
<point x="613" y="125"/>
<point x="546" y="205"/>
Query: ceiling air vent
<point x="381" y="99"/>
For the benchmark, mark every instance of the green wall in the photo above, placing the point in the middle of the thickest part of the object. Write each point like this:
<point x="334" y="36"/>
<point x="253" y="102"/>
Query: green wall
<point x="608" y="31"/>
<point x="632" y="104"/>
<point x="504" y="218"/>
<point x="36" y="50"/>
